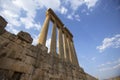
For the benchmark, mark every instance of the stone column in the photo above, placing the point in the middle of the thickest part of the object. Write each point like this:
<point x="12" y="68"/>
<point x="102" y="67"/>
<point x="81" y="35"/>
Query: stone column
<point x="76" y="60"/>
<point x="65" y="48"/>
<point x="69" y="50"/>
<point x="60" y="44"/>
<point x="53" y="40"/>
<point x="72" y="53"/>
<point x="44" y="31"/>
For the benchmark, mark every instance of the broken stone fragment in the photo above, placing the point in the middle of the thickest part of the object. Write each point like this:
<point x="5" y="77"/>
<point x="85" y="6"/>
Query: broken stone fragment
<point x="3" y="24"/>
<point x="25" y="37"/>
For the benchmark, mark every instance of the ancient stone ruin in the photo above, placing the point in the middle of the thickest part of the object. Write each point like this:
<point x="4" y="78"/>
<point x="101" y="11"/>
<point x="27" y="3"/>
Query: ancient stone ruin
<point x="20" y="60"/>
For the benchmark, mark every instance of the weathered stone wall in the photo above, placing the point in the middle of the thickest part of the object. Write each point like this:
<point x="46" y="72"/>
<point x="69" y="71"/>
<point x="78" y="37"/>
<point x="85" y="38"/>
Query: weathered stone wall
<point x="19" y="60"/>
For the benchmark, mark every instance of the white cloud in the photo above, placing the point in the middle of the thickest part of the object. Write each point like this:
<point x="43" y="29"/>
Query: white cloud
<point x="35" y="39"/>
<point x="93" y="58"/>
<point x="70" y="17"/>
<point x="76" y="3"/>
<point x="54" y="4"/>
<point x="63" y="10"/>
<point x="30" y="7"/>
<point x="110" y="63"/>
<point x="12" y="29"/>
<point x="90" y="3"/>
<point x="30" y="23"/>
<point x="87" y="13"/>
<point x="101" y="65"/>
<point x="77" y="17"/>
<point x="48" y="44"/>
<point x="13" y="10"/>
<point x="74" y="16"/>
<point x="116" y="66"/>
<point x="113" y="42"/>
<point x="10" y="12"/>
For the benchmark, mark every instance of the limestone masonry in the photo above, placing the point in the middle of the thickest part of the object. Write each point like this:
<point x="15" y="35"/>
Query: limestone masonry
<point x="20" y="60"/>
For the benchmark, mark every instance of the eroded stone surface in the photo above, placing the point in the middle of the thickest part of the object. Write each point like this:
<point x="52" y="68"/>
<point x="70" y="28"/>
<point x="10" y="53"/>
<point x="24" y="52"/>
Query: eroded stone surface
<point x="25" y="36"/>
<point x="33" y="62"/>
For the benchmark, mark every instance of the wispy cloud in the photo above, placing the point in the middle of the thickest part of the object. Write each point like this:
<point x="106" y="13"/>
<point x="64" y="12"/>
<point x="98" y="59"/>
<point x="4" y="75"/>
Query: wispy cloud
<point x="113" y="42"/>
<point x="55" y="4"/>
<point x="76" y="4"/>
<point x="90" y="3"/>
<point x="77" y="17"/>
<point x="117" y="66"/>
<point x="63" y="10"/>
<point x="109" y="65"/>
<point x="74" y="16"/>
<point x="70" y="17"/>
<point x="93" y="58"/>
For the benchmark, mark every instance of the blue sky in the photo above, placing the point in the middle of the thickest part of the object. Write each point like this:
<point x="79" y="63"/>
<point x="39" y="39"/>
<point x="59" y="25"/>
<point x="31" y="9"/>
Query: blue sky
<point x="95" y="25"/>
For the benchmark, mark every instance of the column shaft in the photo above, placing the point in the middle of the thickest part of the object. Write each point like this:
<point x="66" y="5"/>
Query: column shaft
<point x="69" y="50"/>
<point x="65" y="48"/>
<point x="72" y="53"/>
<point x="53" y="40"/>
<point x="44" y="31"/>
<point x="60" y="44"/>
<point x="73" y="48"/>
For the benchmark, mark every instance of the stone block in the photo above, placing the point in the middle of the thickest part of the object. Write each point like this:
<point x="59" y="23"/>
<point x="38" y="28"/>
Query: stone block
<point x="13" y="37"/>
<point x="38" y="72"/>
<point x="6" y="35"/>
<point x="22" y="67"/>
<point x="6" y="63"/>
<point x="43" y="48"/>
<point x="25" y="37"/>
<point x="5" y="74"/>
<point x="26" y="77"/>
<point x="30" y="60"/>
<point x="3" y="42"/>
<point x="3" y="24"/>
<point x="15" y="51"/>
<point x="14" y="65"/>
<point x="30" y="53"/>
<point x="33" y="48"/>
